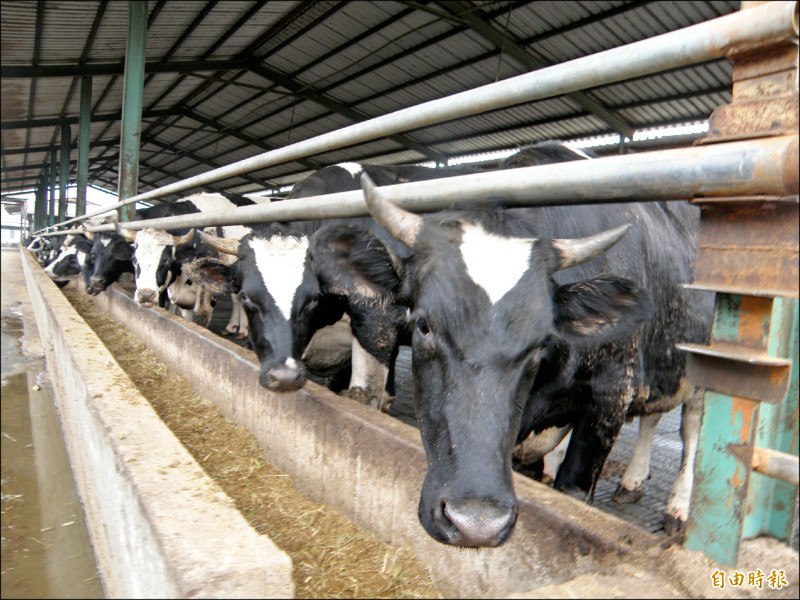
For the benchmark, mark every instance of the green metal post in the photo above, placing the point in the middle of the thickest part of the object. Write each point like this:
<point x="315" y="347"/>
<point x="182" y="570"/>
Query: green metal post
<point x="38" y="206"/>
<point x="45" y="196"/>
<point x="132" y="106"/>
<point x="770" y="501"/>
<point x="64" y="172"/>
<point x="53" y="185"/>
<point x="83" y="145"/>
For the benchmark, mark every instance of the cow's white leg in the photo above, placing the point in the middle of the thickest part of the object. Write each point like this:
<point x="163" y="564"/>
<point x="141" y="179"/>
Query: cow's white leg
<point x="242" y="317"/>
<point x="539" y="453"/>
<point x="677" y="511"/>
<point x="553" y="459"/>
<point x="202" y="307"/>
<point x="638" y="469"/>
<point x="233" y="322"/>
<point x="368" y="379"/>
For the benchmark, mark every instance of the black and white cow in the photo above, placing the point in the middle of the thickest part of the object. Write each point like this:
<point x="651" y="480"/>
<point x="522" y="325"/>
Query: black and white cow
<point x="109" y="258"/>
<point x="160" y="257"/>
<point x="516" y="330"/>
<point x="271" y="271"/>
<point x="72" y="261"/>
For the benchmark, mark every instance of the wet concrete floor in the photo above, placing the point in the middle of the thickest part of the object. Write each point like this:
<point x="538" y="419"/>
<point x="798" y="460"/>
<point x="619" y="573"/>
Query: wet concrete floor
<point x="45" y="551"/>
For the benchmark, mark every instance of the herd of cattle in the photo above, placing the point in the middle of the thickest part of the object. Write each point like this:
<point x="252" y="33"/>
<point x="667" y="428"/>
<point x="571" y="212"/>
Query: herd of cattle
<point x="526" y="324"/>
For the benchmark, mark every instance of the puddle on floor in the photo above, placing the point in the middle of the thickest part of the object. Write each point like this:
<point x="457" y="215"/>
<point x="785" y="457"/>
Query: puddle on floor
<point x="45" y="547"/>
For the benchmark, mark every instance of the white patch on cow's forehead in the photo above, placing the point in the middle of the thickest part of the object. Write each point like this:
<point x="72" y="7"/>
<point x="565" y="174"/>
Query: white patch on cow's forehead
<point x="280" y="262"/>
<point x="354" y="169"/>
<point x="105" y="241"/>
<point x="150" y="244"/>
<point x="493" y="262"/>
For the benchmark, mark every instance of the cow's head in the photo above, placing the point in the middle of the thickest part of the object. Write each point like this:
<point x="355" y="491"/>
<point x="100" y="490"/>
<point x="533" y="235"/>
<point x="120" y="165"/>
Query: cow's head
<point x="72" y="259"/>
<point x="485" y="311"/>
<point x="109" y="258"/>
<point x="157" y="256"/>
<point x="266" y="276"/>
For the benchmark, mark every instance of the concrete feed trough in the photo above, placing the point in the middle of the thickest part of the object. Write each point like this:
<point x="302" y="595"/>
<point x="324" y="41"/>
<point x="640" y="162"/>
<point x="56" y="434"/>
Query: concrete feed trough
<point x="365" y="463"/>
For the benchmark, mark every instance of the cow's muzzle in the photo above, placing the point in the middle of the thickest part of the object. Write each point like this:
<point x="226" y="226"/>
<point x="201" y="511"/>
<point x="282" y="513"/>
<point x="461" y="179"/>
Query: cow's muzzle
<point x="145" y="297"/>
<point x="283" y="378"/>
<point x="474" y="523"/>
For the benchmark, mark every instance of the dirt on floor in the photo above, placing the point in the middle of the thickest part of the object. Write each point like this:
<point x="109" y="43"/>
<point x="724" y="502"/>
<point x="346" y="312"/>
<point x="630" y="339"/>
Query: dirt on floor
<point x="332" y="557"/>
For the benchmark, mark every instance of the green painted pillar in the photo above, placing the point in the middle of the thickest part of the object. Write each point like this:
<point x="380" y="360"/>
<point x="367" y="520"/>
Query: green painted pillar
<point x="63" y="172"/>
<point x="38" y="206"/>
<point x="770" y="501"/>
<point x="132" y="106"/>
<point x="83" y="145"/>
<point x="45" y="196"/>
<point x="53" y="185"/>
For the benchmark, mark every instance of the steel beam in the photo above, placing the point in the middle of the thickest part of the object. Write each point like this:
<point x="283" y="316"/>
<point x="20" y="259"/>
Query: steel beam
<point x="89" y="70"/>
<point x="63" y="172"/>
<point x="132" y="106"/>
<point x="83" y="145"/>
<point x="53" y="185"/>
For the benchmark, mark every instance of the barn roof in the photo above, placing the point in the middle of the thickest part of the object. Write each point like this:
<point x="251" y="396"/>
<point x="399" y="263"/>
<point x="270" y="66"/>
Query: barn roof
<point x="229" y="80"/>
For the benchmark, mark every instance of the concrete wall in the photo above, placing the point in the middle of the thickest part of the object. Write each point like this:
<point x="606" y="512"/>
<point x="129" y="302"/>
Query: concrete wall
<point x="371" y="466"/>
<point x="159" y="526"/>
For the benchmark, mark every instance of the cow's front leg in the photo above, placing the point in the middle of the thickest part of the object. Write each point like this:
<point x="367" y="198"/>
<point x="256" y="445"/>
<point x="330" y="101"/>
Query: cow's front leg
<point x="368" y="379"/>
<point x="202" y="307"/>
<point x="677" y="511"/>
<point x="595" y="428"/>
<point x="638" y="470"/>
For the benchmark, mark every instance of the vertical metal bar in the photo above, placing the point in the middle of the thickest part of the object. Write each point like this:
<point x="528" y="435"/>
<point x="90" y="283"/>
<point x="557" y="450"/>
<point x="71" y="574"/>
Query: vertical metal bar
<point x="37" y="207"/>
<point x="770" y="502"/>
<point x="64" y="171"/>
<point x="83" y="145"/>
<point x="53" y="185"/>
<point x="132" y="106"/>
<point x="45" y="194"/>
<point x="723" y="466"/>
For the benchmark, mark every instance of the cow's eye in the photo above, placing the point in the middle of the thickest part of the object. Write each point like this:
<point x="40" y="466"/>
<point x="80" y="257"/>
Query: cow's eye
<point x="422" y="326"/>
<point x="244" y="298"/>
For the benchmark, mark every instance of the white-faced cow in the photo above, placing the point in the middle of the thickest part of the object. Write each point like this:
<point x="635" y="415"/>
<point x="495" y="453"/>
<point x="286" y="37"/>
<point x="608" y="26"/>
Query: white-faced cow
<point x="271" y="271"/>
<point x="72" y="261"/>
<point x="527" y="321"/>
<point x="160" y="257"/>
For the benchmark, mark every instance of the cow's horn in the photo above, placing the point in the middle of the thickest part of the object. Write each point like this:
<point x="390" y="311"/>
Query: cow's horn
<point x="179" y="240"/>
<point x="129" y="235"/>
<point x="576" y="251"/>
<point x="403" y="225"/>
<point x="228" y="246"/>
<point x="86" y="232"/>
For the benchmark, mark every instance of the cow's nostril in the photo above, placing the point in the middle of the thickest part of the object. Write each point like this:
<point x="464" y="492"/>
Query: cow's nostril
<point x="477" y="523"/>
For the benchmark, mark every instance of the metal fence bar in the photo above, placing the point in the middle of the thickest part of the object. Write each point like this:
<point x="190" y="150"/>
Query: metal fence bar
<point x="750" y="167"/>
<point x="697" y="43"/>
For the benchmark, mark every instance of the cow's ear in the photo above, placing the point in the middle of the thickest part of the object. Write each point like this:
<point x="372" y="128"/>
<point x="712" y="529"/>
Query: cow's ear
<point x="212" y="275"/>
<point x="601" y="309"/>
<point x="122" y="251"/>
<point x="184" y="253"/>
<point x="352" y="261"/>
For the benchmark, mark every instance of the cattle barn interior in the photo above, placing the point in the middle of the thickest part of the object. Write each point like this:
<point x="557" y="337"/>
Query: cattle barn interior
<point x="227" y="81"/>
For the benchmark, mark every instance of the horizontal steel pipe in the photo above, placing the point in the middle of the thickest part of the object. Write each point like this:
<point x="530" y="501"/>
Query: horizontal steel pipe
<point x="62" y="232"/>
<point x="698" y="43"/>
<point x="745" y="168"/>
<point x="773" y="463"/>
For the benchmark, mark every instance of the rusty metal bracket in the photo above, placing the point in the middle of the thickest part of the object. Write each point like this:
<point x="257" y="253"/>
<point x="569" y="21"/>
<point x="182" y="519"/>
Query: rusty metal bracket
<point x="728" y="369"/>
